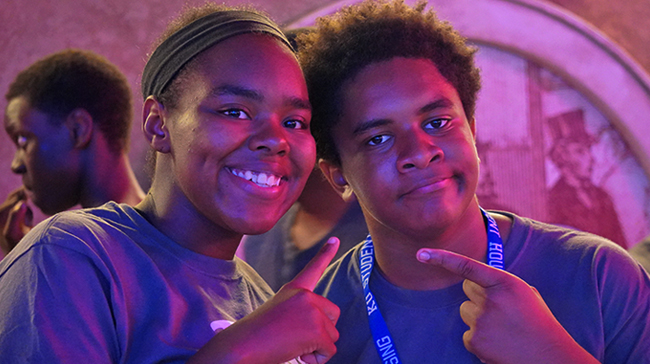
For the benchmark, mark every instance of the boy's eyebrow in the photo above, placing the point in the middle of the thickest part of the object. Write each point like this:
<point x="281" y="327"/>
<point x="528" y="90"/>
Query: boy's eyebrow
<point x="373" y="123"/>
<point x="227" y="89"/>
<point x="437" y="104"/>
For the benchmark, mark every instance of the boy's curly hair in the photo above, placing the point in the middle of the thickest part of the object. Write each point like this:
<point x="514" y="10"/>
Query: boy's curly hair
<point x="375" y="31"/>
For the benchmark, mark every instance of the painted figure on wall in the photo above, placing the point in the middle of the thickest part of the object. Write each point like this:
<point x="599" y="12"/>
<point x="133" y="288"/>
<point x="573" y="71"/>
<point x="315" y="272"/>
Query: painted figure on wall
<point x="488" y="197"/>
<point x="574" y="200"/>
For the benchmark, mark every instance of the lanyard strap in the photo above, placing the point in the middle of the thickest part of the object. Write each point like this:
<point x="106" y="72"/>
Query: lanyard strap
<point x="380" y="334"/>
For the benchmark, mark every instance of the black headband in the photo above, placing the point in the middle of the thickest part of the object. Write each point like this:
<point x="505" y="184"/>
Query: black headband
<point x="172" y="54"/>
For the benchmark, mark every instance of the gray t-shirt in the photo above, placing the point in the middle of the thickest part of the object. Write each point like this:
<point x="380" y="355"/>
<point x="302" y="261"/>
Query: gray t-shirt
<point x="599" y="294"/>
<point x="277" y="259"/>
<point x="641" y="252"/>
<point x="104" y="286"/>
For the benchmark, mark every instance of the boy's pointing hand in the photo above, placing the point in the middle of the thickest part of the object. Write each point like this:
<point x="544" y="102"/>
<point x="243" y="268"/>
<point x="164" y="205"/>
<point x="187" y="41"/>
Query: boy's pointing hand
<point x="508" y="320"/>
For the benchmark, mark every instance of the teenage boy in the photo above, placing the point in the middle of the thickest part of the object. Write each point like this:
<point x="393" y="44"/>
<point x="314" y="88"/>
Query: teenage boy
<point x="69" y="115"/>
<point x="393" y="92"/>
<point x="226" y="110"/>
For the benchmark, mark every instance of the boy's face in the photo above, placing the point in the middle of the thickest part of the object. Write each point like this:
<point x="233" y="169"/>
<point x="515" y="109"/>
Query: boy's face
<point x="241" y="148"/>
<point x="44" y="157"/>
<point x="407" y="150"/>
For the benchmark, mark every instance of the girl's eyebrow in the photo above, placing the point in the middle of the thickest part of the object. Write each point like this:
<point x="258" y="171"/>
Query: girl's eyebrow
<point x="299" y="103"/>
<point x="234" y="90"/>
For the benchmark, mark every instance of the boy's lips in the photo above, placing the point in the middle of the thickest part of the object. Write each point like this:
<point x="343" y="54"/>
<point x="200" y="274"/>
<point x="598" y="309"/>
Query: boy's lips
<point x="429" y="185"/>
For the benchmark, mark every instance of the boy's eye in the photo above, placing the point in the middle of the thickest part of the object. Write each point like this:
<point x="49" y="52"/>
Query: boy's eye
<point x="378" y="139"/>
<point x="294" y="124"/>
<point x="235" y="113"/>
<point x="21" y="141"/>
<point x="436" y="123"/>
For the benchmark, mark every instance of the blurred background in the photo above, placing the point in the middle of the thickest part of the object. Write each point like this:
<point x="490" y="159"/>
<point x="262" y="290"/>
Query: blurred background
<point x="566" y="92"/>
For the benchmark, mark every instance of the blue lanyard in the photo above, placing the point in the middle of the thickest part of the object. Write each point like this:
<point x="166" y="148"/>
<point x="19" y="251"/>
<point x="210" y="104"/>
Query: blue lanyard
<point x="380" y="334"/>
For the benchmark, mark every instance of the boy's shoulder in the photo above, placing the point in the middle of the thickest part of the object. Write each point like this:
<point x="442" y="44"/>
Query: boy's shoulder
<point x="533" y="247"/>
<point x="527" y="233"/>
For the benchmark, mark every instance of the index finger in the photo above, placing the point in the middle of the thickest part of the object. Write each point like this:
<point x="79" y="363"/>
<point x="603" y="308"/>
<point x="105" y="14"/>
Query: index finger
<point x="468" y="268"/>
<point x="13" y="198"/>
<point x="309" y="276"/>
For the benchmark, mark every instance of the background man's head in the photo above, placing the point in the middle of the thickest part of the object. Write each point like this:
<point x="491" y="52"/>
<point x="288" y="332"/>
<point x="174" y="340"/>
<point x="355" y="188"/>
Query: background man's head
<point x="79" y="79"/>
<point x="45" y="101"/>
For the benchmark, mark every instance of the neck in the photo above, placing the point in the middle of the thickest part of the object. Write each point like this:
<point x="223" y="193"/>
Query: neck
<point x="188" y="228"/>
<point x="319" y="210"/>
<point x="396" y="254"/>
<point x="110" y="178"/>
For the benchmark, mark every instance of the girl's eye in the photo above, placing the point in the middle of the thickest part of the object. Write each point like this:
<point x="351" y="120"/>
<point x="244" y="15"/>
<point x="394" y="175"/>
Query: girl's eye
<point x="437" y="123"/>
<point x="21" y="141"/>
<point x="295" y="124"/>
<point x="235" y="113"/>
<point x="379" y="139"/>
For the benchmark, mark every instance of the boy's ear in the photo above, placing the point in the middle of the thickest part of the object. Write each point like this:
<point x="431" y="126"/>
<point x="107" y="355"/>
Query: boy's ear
<point x="80" y="126"/>
<point x="335" y="177"/>
<point x="154" y="126"/>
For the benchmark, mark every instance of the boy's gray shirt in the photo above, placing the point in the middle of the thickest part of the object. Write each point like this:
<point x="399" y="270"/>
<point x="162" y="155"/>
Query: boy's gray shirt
<point x="599" y="294"/>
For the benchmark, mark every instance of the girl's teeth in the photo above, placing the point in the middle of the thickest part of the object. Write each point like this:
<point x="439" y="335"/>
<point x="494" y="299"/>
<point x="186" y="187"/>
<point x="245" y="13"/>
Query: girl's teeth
<point x="261" y="179"/>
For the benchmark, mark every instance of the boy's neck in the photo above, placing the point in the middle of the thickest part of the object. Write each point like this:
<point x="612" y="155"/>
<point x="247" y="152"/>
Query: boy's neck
<point x="396" y="255"/>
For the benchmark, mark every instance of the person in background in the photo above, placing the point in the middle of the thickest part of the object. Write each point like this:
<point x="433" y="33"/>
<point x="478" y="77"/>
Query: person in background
<point x="279" y="254"/>
<point x="69" y="115"/>
<point x="226" y="109"/>
<point x="440" y="280"/>
<point x="641" y="252"/>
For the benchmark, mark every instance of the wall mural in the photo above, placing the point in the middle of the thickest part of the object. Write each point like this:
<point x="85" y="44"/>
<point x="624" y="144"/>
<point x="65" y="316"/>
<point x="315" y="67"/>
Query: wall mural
<point x="551" y="155"/>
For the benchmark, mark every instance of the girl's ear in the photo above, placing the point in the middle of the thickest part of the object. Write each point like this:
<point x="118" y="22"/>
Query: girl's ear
<point x="154" y="126"/>
<point x="334" y="175"/>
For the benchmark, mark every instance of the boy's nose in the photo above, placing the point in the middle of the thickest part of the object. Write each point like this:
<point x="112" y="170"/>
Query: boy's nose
<point x="418" y="152"/>
<point x="17" y="165"/>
